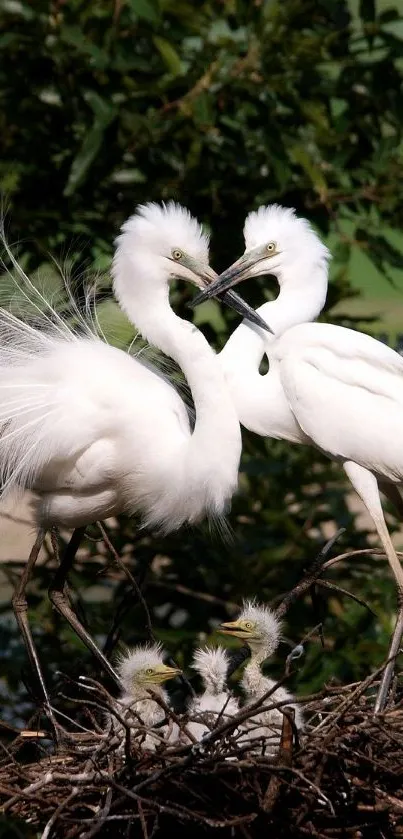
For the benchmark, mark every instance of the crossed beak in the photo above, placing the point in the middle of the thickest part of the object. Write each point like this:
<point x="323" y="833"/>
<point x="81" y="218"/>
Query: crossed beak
<point x="211" y="281"/>
<point x="220" y="287"/>
<point x="236" y="273"/>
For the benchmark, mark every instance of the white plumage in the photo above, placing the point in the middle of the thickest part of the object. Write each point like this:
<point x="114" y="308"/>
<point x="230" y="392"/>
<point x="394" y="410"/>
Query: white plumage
<point x="328" y="386"/>
<point x="141" y="673"/>
<point x="215" y="704"/>
<point x="260" y="629"/>
<point x="94" y="431"/>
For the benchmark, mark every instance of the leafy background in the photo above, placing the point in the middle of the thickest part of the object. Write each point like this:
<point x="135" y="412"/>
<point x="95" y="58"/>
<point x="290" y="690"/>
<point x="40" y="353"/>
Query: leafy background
<point x="222" y="105"/>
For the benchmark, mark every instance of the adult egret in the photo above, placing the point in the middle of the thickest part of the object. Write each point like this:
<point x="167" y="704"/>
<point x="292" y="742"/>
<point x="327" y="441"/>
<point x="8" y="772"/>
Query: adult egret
<point x="95" y="432"/>
<point x="260" y="629"/>
<point x="328" y="386"/>
<point x="215" y="703"/>
<point x="141" y="673"/>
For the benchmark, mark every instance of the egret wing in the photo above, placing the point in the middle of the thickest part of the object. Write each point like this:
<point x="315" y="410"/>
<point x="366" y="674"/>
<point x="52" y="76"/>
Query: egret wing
<point x="345" y="390"/>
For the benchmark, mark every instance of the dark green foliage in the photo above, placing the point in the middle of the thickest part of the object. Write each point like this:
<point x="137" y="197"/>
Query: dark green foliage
<point x="222" y="106"/>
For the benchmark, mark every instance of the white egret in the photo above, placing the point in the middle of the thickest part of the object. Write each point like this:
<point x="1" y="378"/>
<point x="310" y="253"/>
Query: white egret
<point x="215" y="703"/>
<point x="95" y="432"/>
<point x="328" y="386"/>
<point x="260" y="629"/>
<point x="141" y="673"/>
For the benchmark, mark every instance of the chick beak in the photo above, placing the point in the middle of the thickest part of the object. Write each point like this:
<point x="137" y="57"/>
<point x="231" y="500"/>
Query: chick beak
<point x="167" y="672"/>
<point x="232" y="628"/>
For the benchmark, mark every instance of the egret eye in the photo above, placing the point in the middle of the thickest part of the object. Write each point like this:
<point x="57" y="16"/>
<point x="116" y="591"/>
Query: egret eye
<point x="248" y="625"/>
<point x="177" y="254"/>
<point x="271" y="247"/>
<point x="150" y="671"/>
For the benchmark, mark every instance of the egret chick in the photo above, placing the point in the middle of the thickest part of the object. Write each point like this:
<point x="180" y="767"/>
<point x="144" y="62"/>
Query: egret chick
<point x="141" y="674"/>
<point x="260" y="629"/>
<point x="215" y="702"/>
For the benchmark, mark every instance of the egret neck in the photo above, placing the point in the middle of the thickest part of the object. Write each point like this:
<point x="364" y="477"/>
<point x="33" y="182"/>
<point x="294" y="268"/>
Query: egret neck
<point x="216" y="439"/>
<point x="260" y="399"/>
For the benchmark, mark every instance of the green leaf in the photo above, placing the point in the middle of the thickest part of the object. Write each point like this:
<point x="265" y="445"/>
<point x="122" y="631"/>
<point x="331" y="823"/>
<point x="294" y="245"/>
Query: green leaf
<point x="84" y="158"/>
<point x="210" y="313"/>
<point x="300" y="155"/>
<point x="24" y="302"/>
<point x="128" y="176"/>
<point x="104" y="112"/>
<point x="145" y="9"/>
<point x="14" y="7"/>
<point x="103" y="109"/>
<point x="76" y="38"/>
<point x="115" y="326"/>
<point x="394" y="28"/>
<point x="169" y="55"/>
<point x="203" y="112"/>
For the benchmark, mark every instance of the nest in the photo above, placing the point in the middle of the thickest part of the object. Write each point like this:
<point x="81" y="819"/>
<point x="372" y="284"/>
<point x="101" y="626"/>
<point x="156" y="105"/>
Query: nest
<point x="343" y="778"/>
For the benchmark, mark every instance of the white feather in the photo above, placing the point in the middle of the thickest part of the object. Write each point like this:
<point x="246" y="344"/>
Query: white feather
<point x="137" y="704"/>
<point x="94" y="431"/>
<point x="215" y="704"/>
<point x="327" y="386"/>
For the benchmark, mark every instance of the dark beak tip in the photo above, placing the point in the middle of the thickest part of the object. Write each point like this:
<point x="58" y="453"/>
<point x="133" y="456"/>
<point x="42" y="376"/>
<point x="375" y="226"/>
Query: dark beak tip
<point x="234" y="302"/>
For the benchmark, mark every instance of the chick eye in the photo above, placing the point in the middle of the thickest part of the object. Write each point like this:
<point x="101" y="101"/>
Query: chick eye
<point x="150" y="671"/>
<point x="177" y="254"/>
<point x="248" y="625"/>
<point x="271" y="247"/>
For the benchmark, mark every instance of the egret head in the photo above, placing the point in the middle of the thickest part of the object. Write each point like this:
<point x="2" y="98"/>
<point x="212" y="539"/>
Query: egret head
<point x="168" y="234"/>
<point x="161" y="243"/>
<point x="212" y="665"/>
<point x="274" y="238"/>
<point x="143" y="667"/>
<point x="257" y="626"/>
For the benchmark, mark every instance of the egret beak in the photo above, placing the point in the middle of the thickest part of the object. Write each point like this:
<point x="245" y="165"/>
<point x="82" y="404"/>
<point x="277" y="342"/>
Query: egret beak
<point x="243" y="269"/>
<point x="234" y="301"/>
<point x="219" y="287"/>
<point x="165" y="672"/>
<point x="234" y="628"/>
<point x="209" y="279"/>
<point x="236" y="273"/>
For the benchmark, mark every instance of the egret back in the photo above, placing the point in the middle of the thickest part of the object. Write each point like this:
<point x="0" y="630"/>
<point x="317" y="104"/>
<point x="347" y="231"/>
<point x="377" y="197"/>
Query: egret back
<point x="346" y="391"/>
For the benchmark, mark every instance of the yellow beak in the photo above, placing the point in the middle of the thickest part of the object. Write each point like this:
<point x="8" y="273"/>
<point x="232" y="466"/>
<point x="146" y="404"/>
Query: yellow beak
<point x="165" y="672"/>
<point x="234" y="628"/>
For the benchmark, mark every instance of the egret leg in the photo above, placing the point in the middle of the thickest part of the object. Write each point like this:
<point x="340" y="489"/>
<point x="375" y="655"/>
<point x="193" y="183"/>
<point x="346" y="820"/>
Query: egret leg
<point x="20" y="608"/>
<point x="58" y="597"/>
<point x="365" y="484"/>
